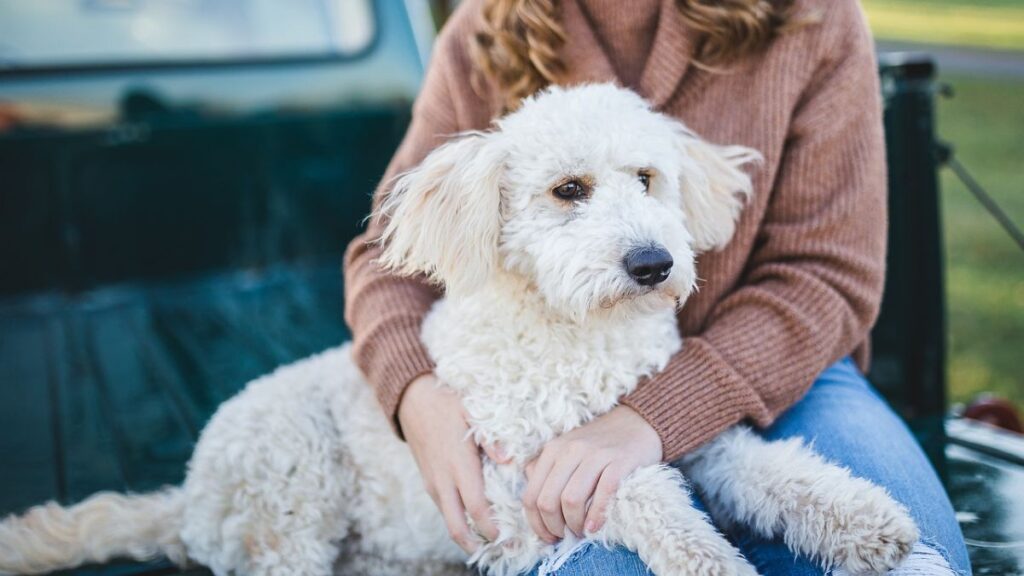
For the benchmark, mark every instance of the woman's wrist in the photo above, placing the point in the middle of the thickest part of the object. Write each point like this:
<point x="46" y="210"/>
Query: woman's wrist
<point x="640" y="428"/>
<point x="414" y="399"/>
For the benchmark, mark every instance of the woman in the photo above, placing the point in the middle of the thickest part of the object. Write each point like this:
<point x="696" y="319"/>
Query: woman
<point x="783" y="310"/>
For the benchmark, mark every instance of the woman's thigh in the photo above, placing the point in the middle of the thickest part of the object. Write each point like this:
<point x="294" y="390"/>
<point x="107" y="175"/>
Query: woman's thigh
<point x="845" y="420"/>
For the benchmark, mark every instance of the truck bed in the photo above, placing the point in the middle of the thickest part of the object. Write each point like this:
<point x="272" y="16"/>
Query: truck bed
<point x="111" y="388"/>
<point x="114" y="385"/>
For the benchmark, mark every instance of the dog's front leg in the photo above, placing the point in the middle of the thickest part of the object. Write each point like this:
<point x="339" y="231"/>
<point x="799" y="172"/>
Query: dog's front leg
<point x="653" y="515"/>
<point x="820" y="509"/>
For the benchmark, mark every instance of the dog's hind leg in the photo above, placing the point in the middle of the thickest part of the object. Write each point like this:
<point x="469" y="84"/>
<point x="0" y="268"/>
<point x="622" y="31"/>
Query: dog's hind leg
<point x="269" y="482"/>
<point x="820" y="509"/>
<point x="270" y="506"/>
<point x="652" y="514"/>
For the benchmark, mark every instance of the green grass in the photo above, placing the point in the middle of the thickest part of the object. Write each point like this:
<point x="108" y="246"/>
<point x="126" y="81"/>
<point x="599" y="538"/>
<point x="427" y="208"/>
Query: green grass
<point x="985" y="23"/>
<point x="985" y="268"/>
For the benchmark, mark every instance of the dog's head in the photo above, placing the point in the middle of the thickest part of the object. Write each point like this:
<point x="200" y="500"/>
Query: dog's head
<point x="586" y="193"/>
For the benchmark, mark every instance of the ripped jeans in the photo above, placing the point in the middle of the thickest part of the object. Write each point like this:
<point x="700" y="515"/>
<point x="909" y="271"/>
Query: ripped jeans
<point x="851" y="425"/>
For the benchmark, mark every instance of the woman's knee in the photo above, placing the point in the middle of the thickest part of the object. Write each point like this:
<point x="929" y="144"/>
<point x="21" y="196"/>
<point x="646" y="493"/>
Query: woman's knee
<point x="926" y="560"/>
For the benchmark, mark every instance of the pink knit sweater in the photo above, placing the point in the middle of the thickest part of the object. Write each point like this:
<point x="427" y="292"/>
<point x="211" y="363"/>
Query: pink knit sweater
<point x="799" y="285"/>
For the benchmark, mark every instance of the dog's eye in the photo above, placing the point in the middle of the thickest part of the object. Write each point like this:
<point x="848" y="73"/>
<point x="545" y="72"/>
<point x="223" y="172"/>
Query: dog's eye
<point x="645" y="179"/>
<point x="571" y="190"/>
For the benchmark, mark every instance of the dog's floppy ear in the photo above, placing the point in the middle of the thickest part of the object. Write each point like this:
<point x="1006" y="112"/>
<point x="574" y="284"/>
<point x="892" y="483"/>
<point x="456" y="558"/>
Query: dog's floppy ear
<point x="714" y="188"/>
<point x="444" y="217"/>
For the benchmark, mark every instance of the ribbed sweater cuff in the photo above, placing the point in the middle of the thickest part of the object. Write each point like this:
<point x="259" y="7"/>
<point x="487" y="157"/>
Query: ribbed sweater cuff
<point x="694" y="399"/>
<point x="399" y="357"/>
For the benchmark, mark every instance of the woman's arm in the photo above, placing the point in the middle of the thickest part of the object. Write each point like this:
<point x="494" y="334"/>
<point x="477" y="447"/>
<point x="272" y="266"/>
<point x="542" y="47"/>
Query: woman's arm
<point x="385" y="312"/>
<point x="814" y="281"/>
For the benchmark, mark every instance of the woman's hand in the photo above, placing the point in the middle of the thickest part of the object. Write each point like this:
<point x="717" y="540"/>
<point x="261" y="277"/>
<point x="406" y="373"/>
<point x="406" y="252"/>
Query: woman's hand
<point x="585" y="466"/>
<point x="434" y="424"/>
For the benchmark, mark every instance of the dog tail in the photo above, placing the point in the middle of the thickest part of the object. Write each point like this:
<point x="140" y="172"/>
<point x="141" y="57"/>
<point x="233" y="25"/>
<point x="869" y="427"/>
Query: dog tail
<point x="106" y="525"/>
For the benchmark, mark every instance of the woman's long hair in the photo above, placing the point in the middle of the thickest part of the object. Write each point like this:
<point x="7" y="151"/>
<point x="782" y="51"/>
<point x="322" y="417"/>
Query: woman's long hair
<point x="518" y="43"/>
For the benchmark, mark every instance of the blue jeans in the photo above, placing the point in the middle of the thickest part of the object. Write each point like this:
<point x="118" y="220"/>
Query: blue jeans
<point x="849" y="424"/>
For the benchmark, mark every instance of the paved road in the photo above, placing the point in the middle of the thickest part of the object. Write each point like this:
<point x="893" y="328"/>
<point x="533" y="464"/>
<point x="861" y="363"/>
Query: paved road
<point x="959" y="60"/>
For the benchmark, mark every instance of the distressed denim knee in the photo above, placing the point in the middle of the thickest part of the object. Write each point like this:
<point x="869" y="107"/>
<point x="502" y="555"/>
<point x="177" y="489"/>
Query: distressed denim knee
<point x="924" y="560"/>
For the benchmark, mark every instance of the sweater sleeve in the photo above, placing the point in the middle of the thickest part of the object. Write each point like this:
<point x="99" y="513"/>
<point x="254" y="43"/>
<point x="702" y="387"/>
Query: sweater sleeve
<point x="385" y="311"/>
<point x="812" y="286"/>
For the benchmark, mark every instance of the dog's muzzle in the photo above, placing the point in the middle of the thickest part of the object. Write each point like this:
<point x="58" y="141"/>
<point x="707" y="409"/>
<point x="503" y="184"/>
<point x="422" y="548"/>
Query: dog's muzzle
<point x="649" y="266"/>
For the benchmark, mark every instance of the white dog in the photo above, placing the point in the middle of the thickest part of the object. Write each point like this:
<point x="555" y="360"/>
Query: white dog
<point x="565" y="239"/>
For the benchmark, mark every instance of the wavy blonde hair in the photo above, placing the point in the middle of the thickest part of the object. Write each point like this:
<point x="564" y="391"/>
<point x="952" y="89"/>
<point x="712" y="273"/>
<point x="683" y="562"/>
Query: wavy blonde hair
<point x="518" y="42"/>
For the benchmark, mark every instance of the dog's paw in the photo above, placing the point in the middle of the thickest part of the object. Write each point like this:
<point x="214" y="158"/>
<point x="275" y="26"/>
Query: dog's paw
<point x="877" y="533"/>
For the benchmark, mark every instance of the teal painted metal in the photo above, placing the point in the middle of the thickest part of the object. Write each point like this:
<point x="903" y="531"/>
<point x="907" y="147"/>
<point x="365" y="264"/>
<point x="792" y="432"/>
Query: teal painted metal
<point x="132" y="173"/>
<point x="189" y="239"/>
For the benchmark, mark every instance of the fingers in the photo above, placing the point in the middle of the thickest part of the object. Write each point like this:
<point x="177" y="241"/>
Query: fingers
<point x="536" y="474"/>
<point x="578" y="491"/>
<point x="549" y="501"/>
<point x="497" y="453"/>
<point x="455" y="520"/>
<point x="611" y="477"/>
<point x="471" y="490"/>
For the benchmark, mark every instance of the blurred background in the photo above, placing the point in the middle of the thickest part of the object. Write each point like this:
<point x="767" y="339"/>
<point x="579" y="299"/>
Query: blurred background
<point x="979" y="48"/>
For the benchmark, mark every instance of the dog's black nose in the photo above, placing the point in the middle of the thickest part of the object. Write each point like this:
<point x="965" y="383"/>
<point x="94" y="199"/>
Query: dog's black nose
<point x="649" y="266"/>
